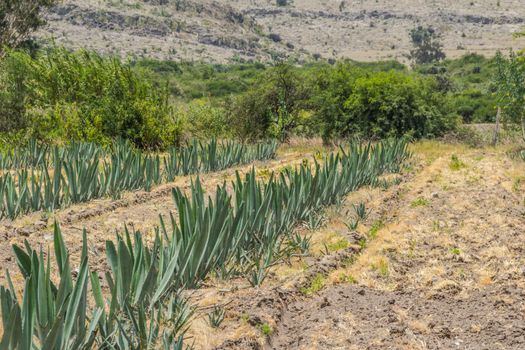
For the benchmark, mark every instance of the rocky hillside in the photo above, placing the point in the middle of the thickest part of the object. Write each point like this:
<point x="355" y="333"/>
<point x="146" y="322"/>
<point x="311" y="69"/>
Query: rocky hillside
<point x="230" y="30"/>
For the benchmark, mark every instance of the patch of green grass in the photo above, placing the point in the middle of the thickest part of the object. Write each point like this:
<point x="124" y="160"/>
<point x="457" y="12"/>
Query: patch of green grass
<point x="419" y="202"/>
<point x="319" y="155"/>
<point x="339" y="245"/>
<point x="436" y="225"/>
<point x="376" y="226"/>
<point x="517" y="183"/>
<point x="472" y="180"/>
<point x="456" y="163"/>
<point x="408" y="169"/>
<point x="286" y="168"/>
<point x="264" y="172"/>
<point x="348" y="261"/>
<point x="244" y="318"/>
<point x="344" y="278"/>
<point x="455" y="251"/>
<point x="381" y="267"/>
<point x="266" y="329"/>
<point x="316" y="284"/>
<point x="412" y="248"/>
<point x="478" y="158"/>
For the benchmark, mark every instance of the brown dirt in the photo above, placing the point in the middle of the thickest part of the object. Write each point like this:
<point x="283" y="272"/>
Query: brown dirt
<point x="444" y="271"/>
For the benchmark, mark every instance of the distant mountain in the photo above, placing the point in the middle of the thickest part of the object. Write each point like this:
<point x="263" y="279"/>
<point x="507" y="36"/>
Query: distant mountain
<point x="261" y="30"/>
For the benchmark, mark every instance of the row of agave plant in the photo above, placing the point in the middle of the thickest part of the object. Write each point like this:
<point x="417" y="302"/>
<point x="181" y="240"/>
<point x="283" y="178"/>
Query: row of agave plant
<point x="32" y="155"/>
<point x="82" y="172"/>
<point x="140" y="305"/>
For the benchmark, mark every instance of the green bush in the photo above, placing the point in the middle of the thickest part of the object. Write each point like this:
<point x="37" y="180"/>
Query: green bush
<point x="475" y="106"/>
<point x="396" y="104"/>
<point x="272" y="106"/>
<point x="332" y="86"/>
<point x="510" y="82"/>
<point x="203" y="121"/>
<point x="470" y="85"/>
<point x="82" y="96"/>
<point x="350" y="101"/>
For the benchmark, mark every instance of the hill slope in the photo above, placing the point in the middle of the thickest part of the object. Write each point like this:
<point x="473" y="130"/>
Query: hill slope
<point x="228" y="30"/>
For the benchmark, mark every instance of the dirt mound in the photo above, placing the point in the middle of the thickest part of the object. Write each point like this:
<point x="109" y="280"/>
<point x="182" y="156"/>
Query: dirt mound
<point x="354" y="317"/>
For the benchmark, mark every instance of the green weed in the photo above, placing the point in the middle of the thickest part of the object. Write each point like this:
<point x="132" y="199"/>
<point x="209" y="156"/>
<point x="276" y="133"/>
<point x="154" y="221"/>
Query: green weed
<point x="419" y="202"/>
<point x="381" y="267"/>
<point x="316" y="284"/>
<point x="376" y="226"/>
<point x="455" y="251"/>
<point x="266" y="329"/>
<point x="455" y="163"/>
<point x="339" y="245"/>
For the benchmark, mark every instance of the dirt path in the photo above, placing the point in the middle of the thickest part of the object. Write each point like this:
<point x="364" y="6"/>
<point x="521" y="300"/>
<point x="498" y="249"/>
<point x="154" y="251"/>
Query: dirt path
<point x="445" y="271"/>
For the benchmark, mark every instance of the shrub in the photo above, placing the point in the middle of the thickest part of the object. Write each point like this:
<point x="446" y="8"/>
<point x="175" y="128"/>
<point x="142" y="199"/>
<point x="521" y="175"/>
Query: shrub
<point x="82" y="96"/>
<point x="427" y="47"/>
<point x="272" y="106"/>
<point x="510" y="92"/>
<point x="351" y="101"/>
<point x="474" y="105"/>
<point x="396" y="104"/>
<point x="202" y="120"/>
<point x="333" y="85"/>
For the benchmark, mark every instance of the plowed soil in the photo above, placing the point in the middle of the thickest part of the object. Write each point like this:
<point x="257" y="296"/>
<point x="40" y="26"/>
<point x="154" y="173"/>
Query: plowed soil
<point x="447" y="272"/>
<point x="445" y="269"/>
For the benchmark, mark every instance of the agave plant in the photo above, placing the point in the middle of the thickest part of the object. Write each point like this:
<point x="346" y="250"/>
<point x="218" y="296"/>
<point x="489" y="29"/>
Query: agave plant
<point x="216" y="316"/>
<point x="251" y="232"/>
<point x="361" y="211"/>
<point x="145" y="309"/>
<point x="31" y="155"/>
<point x="248" y="230"/>
<point x="50" y="316"/>
<point x="142" y="312"/>
<point x="42" y="178"/>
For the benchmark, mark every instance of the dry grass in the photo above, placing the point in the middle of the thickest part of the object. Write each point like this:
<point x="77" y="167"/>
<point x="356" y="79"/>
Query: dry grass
<point x="360" y="38"/>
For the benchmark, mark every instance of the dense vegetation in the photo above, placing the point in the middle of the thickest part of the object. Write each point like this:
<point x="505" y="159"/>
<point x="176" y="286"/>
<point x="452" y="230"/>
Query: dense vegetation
<point x="470" y="84"/>
<point x="510" y="80"/>
<point x="81" y="96"/>
<point x="56" y="95"/>
<point x="93" y="120"/>
<point x="355" y="102"/>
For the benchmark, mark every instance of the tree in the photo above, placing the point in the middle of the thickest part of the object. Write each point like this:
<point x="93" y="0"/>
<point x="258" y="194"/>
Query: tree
<point x="353" y="102"/>
<point x="427" y="46"/>
<point x="271" y="108"/>
<point x="395" y="104"/>
<point x="510" y="85"/>
<point x="18" y="19"/>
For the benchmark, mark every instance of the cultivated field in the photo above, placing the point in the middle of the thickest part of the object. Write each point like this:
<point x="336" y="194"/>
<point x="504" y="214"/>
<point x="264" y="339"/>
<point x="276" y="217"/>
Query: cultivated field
<point x="429" y="257"/>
